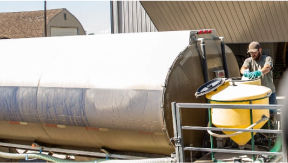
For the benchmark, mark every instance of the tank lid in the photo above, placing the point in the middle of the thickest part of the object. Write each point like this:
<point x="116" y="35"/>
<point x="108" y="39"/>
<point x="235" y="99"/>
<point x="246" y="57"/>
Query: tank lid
<point x="209" y="86"/>
<point x="241" y="93"/>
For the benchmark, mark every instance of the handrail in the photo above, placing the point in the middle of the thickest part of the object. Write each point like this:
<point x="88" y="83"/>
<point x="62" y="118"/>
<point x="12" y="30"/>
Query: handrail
<point x="231" y="129"/>
<point x="227" y="106"/>
<point x="177" y="126"/>
<point x="231" y="151"/>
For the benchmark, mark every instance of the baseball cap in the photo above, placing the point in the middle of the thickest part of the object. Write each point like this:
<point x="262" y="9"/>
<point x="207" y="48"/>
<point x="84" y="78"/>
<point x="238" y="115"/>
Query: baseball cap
<point x="254" y="46"/>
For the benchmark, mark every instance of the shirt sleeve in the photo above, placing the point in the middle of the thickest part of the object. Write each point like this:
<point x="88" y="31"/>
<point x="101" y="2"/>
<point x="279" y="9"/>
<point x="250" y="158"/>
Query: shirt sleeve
<point x="269" y="61"/>
<point x="246" y="63"/>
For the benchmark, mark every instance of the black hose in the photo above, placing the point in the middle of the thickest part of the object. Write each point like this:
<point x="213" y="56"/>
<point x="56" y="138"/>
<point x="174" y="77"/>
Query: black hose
<point x="204" y="60"/>
<point x="224" y="58"/>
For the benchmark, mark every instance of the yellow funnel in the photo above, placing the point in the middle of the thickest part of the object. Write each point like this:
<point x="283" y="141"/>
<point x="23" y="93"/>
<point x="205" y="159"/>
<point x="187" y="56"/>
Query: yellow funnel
<point x="238" y="118"/>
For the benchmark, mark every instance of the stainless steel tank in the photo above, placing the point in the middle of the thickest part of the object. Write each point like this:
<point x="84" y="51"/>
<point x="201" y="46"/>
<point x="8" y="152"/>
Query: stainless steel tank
<point x="283" y="92"/>
<point x="104" y="91"/>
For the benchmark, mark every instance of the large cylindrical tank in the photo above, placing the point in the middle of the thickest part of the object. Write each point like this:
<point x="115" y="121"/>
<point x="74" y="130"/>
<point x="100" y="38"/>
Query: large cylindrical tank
<point x="283" y="91"/>
<point x="104" y="91"/>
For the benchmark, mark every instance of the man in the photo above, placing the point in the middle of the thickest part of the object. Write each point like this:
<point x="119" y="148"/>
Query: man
<point x="259" y="65"/>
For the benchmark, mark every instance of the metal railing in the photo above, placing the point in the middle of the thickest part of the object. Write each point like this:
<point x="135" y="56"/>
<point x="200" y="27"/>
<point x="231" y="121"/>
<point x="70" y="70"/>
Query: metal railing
<point x="178" y="136"/>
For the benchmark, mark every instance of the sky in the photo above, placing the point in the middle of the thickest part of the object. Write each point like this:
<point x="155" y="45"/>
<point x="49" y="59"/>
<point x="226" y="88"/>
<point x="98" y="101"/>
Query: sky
<point x="93" y="15"/>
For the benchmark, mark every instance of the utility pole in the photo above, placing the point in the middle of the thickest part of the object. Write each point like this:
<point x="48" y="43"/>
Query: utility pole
<point x="45" y="19"/>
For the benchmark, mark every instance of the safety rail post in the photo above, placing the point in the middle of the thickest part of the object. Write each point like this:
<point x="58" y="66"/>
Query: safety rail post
<point x="284" y="150"/>
<point x="211" y="138"/>
<point x="177" y="132"/>
<point x="252" y="134"/>
<point x="269" y="139"/>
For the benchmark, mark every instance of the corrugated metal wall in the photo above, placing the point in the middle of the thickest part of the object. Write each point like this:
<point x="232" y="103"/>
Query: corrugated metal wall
<point x="130" y="16"/>
<point x="237" y="21"/>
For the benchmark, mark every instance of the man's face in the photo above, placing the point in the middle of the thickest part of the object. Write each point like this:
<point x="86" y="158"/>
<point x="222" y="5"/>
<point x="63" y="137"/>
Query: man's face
<point x="255" y="55"/>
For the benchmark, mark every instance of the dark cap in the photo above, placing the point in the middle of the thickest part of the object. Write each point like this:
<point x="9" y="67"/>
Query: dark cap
<point x="254" y="47"/>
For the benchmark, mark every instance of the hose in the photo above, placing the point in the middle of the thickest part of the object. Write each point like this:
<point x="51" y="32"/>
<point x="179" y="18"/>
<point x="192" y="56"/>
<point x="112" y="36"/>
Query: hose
<point x="31" y="156"/>
<point x="54" y="159"/>
<point x="276" y="148"/>
<point x="238" y="132"/>
<point x="278" y="145"/>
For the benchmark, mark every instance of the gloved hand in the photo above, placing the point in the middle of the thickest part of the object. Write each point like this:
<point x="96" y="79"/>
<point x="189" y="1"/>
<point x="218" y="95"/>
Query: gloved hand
<point x="257" y="74"/>
<point x="252" y="75"/>
<point x="247" y="73"/>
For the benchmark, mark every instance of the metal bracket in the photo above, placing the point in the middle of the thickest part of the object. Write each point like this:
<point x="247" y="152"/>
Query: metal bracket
<point x="177" y="141"/>
<point x="106" y="153"/>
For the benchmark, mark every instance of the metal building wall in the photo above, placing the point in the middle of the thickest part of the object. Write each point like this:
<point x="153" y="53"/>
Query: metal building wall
<point x="237" y="21"/>
<point x="130" y="17"/>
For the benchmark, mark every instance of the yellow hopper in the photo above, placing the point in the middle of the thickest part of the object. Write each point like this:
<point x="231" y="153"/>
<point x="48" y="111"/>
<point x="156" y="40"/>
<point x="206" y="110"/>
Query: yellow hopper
<point x="231" y="93"/>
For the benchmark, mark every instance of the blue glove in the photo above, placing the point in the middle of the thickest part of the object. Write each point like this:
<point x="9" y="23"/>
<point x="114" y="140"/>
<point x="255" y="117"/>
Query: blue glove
<point x="246" y="73"/>
<point x="252" y="75"/>
<point x="257" y="74"/>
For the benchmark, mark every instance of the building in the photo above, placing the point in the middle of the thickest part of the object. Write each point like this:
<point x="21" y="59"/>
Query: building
<point x="239" y="22"/>
<point x="60" y="22"/>
<point x="130" y="16"/>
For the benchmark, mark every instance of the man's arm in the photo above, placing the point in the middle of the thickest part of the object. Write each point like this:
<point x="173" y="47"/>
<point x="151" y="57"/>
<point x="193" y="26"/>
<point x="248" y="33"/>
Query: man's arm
<point x="267" y="66"/>
<point x="266" y="69"/>
<point x="243" y="68"/>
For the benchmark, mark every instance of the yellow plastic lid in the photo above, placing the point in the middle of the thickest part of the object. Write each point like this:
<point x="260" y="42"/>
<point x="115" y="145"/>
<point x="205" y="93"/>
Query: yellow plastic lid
<point x="240" y="92"/>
